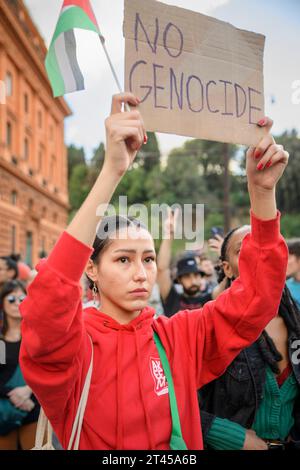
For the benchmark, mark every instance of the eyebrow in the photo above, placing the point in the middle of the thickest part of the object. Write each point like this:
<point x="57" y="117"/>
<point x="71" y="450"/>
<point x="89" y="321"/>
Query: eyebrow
<point x="124" y="250"/>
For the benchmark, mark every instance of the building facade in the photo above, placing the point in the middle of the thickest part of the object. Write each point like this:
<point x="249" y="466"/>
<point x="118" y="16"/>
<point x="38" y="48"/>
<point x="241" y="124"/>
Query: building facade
<point x="33" y="157"/>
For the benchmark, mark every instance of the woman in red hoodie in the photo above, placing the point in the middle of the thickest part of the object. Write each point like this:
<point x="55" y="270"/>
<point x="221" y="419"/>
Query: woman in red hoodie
<point x="128" y="405"/>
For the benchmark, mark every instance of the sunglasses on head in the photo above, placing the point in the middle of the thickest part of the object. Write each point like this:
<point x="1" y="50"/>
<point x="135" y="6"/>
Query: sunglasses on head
<point x="13" y="298"/>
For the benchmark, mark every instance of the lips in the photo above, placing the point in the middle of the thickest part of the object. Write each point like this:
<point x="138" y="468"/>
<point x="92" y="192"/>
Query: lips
<point x="139" y="291"/>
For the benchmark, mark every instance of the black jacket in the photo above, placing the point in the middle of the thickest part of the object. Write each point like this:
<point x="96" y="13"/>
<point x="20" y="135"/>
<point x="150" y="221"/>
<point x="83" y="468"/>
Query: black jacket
<point x="237" y="394"/>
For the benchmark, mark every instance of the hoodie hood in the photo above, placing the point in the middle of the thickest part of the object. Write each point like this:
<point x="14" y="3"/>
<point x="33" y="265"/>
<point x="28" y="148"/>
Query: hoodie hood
<point x="101" y="321"/>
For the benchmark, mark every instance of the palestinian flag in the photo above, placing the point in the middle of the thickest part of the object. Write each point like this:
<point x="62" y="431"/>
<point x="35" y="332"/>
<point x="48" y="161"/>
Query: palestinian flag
<point x="61" y="62"/>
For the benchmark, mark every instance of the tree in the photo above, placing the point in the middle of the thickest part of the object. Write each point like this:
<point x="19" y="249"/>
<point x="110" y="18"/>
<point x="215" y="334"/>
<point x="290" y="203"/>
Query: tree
<point x="288" y="190"/>
<point x="79" y="186"/>
<point x="96" y="163"/>
<point x="149" y="155"/>
<point x="76" y="156"/>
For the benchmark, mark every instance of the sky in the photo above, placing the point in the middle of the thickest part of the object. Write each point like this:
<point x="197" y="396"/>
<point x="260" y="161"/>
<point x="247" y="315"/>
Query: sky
<point x="278" y="20"/>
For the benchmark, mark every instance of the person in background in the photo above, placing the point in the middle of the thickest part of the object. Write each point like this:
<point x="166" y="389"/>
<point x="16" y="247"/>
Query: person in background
<point x="8" y="270"/>
<point x="207" y="267"/>
<point x="293" y="270"/>
<point x="195" y="292"/>
<point x="19" y="409"/>
<point x="255" y="404"/>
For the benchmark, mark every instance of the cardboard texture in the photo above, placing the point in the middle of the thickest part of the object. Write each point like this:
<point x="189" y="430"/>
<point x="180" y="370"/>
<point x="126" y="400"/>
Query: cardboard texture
<point x="196" y="76"/>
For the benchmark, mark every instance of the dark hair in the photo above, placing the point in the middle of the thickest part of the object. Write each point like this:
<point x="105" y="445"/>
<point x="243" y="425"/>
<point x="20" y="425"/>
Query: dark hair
<point x="11" y="264"/>
<point x="223" y="256"/>
<point x="294" y="247"/>
<point x="7" y="289"/>
<point x="108" y="226"/>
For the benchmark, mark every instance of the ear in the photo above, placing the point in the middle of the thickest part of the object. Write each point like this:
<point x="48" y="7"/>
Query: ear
<point x="227" y="269"/>
<point x="91" y="270"/>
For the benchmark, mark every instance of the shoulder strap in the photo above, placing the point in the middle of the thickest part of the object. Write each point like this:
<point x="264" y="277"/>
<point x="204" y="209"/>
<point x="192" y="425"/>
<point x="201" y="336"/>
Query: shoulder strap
<point x="44" y="424"/>
<point x="77" y="425"/>
<point x="177" y="441"/>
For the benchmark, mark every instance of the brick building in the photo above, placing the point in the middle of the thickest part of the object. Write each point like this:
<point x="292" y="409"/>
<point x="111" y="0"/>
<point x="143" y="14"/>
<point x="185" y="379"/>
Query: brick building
<point x="33" y="159"/>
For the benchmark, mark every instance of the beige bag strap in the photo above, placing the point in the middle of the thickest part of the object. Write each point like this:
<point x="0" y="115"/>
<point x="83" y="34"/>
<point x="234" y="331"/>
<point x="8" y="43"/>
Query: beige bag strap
<point x="42" y="426"/>
<point x="77" y="425"/>
<point x="44" y="423"/>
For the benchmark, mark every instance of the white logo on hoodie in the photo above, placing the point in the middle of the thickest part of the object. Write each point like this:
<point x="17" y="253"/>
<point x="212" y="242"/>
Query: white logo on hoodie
<point x="160" y="381"/>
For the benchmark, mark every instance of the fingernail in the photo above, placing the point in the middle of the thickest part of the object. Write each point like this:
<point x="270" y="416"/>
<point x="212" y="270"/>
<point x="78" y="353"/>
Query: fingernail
<point x="138" y="100"/>
<point x="268" y="164"/>
<point x="145" y="139"/>
<point x="260" y="166"/>
<point x="261" y="122"/>
<point x="257" y="154"/>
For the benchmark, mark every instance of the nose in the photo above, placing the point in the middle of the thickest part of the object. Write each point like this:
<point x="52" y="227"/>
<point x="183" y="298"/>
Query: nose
<point x="195" y="279"/>
<point x="140" y="273"/>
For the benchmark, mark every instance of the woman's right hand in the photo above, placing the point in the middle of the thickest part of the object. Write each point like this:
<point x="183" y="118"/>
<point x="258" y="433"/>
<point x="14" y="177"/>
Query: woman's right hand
<point x="253" y="442"/>
<point x="125" y="134"/>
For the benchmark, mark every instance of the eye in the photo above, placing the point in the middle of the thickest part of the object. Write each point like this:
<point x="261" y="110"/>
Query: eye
<point x="149" y="260"/>
<point x="123" y="259"/>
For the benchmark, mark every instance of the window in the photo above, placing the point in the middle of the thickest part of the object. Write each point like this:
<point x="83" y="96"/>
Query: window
<point x="40" y="159"/>
<point x="14" y="198"/>
<point x="52" y="167"/>
<point x="29" y="243"/>
<point x="9" y="84"/>
<point x="40" y="119"/>
<point x="26" y="103"/>
<point x="26" y="149"/>
<point x="8" y="134"/>
<point x="13" y="239"/>
<point x="55" y="217"/>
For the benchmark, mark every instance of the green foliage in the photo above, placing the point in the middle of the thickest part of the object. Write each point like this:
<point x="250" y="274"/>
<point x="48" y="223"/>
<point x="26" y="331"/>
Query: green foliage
<point x="193" y="174"/>
<point x="290" y="225"/>
<point x="75" y="157"/>
<point x="149" y="155"/>
<point x="288" y="191"/>
<point x="78" y="185"/>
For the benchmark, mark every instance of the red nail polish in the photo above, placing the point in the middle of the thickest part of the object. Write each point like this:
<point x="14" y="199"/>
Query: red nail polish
<point x="260" y="166"/>
<point x="261" y="122"/>
<point x="268" y="164"/>
<point x="257" y="154"/>
<point x="145" y="139"/>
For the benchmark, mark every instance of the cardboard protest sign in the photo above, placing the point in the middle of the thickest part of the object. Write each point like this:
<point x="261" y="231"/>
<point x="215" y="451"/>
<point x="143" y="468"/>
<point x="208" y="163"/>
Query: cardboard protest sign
<point x="196" y="76"/>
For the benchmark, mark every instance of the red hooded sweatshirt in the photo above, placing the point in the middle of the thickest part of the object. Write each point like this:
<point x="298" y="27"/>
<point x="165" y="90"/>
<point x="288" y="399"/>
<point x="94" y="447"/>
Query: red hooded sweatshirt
<point x="128" y="404"/>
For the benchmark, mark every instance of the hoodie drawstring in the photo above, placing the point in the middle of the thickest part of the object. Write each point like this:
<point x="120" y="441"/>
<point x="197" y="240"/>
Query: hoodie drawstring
<point x="140" y="374"/>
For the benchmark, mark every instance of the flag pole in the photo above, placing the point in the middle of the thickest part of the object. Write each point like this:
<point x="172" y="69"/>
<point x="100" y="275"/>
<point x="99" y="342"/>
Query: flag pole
<point x="102" y="40"/>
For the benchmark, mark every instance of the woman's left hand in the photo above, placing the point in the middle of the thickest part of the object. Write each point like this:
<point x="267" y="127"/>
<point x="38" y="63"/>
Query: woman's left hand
<point x="266" y="163"/>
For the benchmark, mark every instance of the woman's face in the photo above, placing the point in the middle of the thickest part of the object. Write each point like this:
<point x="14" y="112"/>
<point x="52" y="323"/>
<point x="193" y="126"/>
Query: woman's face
<point x="126" y="271"/>
<point x="11" y="304"/>
<point x="231" y="265"/>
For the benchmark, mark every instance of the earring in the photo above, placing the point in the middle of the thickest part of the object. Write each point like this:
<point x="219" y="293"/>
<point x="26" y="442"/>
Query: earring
<point x="95" y="292"/>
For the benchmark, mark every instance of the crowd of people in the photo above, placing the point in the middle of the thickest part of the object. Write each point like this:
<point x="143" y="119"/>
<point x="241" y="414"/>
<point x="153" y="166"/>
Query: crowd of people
<point x="228" y="321"/>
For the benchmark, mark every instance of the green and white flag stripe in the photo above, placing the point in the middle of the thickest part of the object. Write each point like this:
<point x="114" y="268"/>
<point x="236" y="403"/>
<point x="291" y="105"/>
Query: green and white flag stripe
<point x="61" y="62"/>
